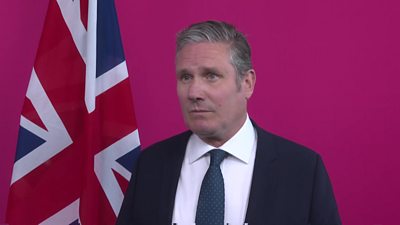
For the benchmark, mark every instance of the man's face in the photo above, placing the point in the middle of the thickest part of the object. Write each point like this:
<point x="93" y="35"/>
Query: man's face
<point x="214" y="105"/>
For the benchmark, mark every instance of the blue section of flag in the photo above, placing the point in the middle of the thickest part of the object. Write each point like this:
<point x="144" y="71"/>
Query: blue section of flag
<point x="76" y="222"/>
<point x="129" y="160"/>
<point x="109" y="47"/>
<point x="27" y="142"/>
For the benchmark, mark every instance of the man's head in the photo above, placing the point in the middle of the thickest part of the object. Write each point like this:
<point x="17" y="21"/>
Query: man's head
<point x="219" y="32"/>
<point x="214" y="80"/>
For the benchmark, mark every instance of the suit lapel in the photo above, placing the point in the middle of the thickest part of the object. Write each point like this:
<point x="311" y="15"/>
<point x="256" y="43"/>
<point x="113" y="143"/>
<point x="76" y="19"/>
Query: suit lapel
<point x="264" y="181"/>
<point x="263" y="187"/>
<point x="171" y="173"/>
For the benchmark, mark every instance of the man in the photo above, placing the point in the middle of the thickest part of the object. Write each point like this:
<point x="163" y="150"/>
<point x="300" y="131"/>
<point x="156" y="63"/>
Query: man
<point x="252" y="177"/>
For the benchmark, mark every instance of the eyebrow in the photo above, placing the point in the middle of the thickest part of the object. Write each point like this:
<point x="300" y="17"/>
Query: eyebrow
<point x="211" y="69"/>
<point x="203" y="70"/>
<point x="182" y="71"/>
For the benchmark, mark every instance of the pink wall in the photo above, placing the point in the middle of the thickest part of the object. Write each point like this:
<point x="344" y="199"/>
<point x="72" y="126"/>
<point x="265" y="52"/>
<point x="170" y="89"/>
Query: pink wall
<point x="328" y="77"/>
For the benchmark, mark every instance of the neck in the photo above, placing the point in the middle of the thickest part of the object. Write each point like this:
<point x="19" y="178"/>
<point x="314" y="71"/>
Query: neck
<point x="218" y="139"/>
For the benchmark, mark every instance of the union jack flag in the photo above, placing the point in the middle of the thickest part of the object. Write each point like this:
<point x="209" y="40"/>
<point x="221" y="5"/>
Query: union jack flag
<point x="78" y="138"/>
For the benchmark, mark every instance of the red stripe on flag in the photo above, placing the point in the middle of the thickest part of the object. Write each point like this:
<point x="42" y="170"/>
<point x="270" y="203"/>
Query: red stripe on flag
<point x="29" y="112"/>
<point x="47" y="189"/>
<point x="114" y="110"/>
<point x="56" y="183"/>
<point x="84" y="12"/>
<point x="95" y="207"/>
<point x="70" y="175"/>
<point x="61" y="71"/>
<point x="123" y="183"/>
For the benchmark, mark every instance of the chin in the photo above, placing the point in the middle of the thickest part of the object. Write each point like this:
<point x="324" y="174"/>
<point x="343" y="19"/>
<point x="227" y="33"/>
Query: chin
<point x="201" y="130"/>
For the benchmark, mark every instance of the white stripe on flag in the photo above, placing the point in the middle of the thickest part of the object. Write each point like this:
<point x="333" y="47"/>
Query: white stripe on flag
<point x="71" y="11"/>
<point x="91" y="41"/>
<point x="65" y="216"/>
<point x="57" y="137"/>
<point x="33" y="128"/>
<point x="110" y="78"/>
<point x="105" y="162"/>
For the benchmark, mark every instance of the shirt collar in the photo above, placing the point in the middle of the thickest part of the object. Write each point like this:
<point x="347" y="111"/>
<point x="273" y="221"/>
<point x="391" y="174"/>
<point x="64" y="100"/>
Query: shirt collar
<point x="239" y="146"/>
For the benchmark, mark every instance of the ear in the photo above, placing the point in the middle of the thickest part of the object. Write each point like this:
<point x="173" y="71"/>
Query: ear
<point x="248" y="83"/>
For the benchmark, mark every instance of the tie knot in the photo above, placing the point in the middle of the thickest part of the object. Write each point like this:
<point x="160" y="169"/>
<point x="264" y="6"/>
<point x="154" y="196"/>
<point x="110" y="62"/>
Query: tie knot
<point x="216" y="157"/>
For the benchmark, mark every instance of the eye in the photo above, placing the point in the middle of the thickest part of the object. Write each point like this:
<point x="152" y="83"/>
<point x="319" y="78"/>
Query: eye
<point x="185" y="77"/>
<point x="211" y="76"/>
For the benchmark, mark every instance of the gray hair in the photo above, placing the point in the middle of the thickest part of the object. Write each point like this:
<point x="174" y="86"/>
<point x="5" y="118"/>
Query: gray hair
<point x="217" y="31"/>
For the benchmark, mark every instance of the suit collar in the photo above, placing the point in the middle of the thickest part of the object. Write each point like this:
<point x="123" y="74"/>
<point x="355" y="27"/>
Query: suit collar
<point x="263" y="185"/>
<point x="265" y="179"/>
<point x="172" y="168"/>
<point x="240" y="145"/>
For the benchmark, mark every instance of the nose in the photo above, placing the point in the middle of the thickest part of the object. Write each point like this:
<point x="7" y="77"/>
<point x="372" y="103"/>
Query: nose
<point x="196" y="90"/>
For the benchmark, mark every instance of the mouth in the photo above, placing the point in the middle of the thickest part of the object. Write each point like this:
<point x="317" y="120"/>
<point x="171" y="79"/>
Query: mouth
<point x="199" y="111"/>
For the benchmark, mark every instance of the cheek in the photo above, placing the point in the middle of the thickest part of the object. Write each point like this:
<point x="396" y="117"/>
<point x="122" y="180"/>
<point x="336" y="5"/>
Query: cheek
<point x="231" y="102"/>
<point x="178" y="90"/>
<point x="224" y="105"/>
<point x="181" y="93"/>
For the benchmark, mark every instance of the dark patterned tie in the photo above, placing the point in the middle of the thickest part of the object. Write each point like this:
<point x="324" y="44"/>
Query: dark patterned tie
<point x="211" y="204"/>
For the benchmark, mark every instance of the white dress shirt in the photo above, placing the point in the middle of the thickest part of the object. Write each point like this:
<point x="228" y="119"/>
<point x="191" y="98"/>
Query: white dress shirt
<point x="237" y="170"/>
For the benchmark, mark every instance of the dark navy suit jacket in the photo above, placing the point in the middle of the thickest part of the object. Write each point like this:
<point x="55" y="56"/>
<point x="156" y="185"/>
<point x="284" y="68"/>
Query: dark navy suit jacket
<point x="290" y="185"/>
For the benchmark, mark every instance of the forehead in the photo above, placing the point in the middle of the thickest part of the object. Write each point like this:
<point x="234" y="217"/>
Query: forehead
<point x="203" y="54"/>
